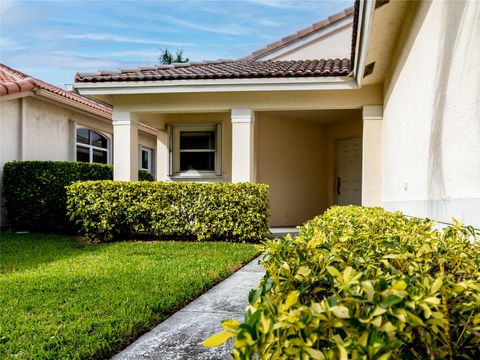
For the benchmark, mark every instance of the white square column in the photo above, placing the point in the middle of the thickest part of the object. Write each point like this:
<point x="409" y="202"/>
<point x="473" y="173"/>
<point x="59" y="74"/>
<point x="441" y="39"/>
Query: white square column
<point x="243" y="165"/>
<point x="372" y="155"/>
<point x="125" y="146"/>
<point x="163" y="155"/>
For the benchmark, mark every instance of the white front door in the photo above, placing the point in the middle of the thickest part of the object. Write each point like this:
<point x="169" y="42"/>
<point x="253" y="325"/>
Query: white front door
<point x="349" y="172"/>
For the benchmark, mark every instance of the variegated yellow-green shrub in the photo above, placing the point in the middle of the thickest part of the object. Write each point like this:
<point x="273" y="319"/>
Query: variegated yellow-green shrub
<point x="109" y="210"/>
<point x="363" y="283"/>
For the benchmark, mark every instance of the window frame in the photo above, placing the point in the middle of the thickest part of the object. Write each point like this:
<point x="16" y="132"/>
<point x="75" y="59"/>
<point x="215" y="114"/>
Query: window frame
<point x="150" y="159"/>
<point x="90" y="147"/>
<point x="174" y="163"/>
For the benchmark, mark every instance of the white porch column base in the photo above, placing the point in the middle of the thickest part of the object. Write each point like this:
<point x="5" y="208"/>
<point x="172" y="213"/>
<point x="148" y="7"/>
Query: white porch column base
<point x="125" y="146"/>
<point x="372" y="155"/>
<point x="243" y="166"/>
<point x="162" y="155"/>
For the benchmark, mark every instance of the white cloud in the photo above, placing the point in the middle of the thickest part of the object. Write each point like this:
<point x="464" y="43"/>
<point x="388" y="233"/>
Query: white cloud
<point x="273" y="3"/>
<point x="269" y="22"/>
<point x="304" y="4"/>
<point x="225" y="29"/>
<point x="8" y="44"/>
<point x="143" y="53"/>
<point x="123" y="39"/>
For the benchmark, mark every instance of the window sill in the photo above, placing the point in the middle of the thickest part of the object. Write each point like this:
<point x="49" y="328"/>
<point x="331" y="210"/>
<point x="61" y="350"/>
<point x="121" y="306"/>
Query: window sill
<point x="209" y="177"/>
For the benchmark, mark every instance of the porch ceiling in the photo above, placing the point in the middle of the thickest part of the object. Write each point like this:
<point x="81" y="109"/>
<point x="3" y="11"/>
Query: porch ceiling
<point x="320" y="116"/>
<point x="159" y="120"/>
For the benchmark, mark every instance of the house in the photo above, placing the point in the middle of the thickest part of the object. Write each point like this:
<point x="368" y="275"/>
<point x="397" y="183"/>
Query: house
<point x="378" y="105"/>
<point x="395" y="123"/>
<point x="40" y="121"/>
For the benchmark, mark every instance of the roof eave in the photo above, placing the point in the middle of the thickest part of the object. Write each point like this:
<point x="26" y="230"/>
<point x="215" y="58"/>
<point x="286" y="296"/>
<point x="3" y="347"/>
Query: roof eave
<point x="365" y="19"/>
<point x="216" y="85"/>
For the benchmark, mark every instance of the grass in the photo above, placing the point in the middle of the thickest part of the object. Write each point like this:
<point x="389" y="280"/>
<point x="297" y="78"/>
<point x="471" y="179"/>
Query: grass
<point x="60" y="298"/>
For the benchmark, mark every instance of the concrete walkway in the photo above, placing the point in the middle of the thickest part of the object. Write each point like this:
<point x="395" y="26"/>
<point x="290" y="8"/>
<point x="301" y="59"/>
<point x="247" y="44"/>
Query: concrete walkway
<point x="179" y="336"/>
<point x="276" y="232"/>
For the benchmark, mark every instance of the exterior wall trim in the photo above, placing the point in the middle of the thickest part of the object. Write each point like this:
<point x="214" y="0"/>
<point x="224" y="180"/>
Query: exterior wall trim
<point x="365" y="20"/>
<point x="442" y="210"/>
<point x="374" y="112"/>
<point x="242" y="116"/>
<point x="219" y="85"/>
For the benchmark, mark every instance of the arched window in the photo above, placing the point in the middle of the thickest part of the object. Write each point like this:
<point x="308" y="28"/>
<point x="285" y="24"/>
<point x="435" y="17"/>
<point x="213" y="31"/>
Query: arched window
<point x="92" y="147"/>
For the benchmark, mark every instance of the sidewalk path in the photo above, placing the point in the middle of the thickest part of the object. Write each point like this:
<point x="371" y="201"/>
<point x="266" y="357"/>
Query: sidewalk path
<point x="179" y="336"/>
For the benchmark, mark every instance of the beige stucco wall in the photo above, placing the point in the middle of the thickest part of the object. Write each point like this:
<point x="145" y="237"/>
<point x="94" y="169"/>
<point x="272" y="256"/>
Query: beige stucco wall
<point x="9" y="130"/>
<point x="432" y="114"/>
<point x="291" y="160"/>
<point x="296" y="157"/>
<point x="10" y="117"/>
<point x="148" y="141"/>
<point x="336" y="44"/>
<point x="49" y="131"/>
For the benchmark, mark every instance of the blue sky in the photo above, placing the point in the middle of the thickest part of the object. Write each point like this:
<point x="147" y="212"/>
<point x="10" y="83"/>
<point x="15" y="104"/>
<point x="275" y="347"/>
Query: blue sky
<point x="52" y="40"/>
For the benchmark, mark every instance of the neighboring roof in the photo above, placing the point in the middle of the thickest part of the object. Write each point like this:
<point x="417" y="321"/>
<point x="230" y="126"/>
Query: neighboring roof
<point x="151" y="128"/>
<point x="224" y="70"/>
<point x="316" y="27"/>
<point x="13" y="81"/>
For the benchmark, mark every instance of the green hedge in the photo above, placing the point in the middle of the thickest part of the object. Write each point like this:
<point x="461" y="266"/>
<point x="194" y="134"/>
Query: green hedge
<point x="34" y="191"/>
<point x="363" y="283"/>
<point x="145" y="176"/>
<point x="107" y="210"/>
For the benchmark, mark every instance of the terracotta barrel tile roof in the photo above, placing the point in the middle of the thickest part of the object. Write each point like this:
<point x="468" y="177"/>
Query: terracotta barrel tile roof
<point x="13" y="81"/>
<point x="148" y="127"/>
<point x="225" y="70"/>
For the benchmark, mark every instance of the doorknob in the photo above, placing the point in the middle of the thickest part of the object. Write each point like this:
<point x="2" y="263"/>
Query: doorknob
<point x="338" y="185"/>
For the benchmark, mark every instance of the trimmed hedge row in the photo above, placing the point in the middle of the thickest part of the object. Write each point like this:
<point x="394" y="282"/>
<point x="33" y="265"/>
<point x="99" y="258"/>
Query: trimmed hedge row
<point x="108" y="210"/>
<point x="34" y="191"/>
<point x="363" y="283"/>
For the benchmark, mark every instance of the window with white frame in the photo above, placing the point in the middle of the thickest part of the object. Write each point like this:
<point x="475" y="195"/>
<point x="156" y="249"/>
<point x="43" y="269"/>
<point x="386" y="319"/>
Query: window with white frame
<point x="92" y="146"/>
<point x="196" y="150"/>
<point x="146" y="159"/>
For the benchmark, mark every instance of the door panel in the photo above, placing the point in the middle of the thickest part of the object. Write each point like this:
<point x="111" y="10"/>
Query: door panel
<point x="349" y="172"/>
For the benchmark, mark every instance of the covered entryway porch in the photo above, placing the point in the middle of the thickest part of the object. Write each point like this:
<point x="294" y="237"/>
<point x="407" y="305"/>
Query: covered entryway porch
<point x="295" y="151"/>
<point x="310" y="159"/>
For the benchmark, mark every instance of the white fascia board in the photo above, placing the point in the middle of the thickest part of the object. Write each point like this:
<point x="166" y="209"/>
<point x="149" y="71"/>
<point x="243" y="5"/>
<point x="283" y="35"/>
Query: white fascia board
<point x="365" y="20"/>
<point x="295" y="44"/>
<point x="16" y="95"/>
<point x="220" y="85"/>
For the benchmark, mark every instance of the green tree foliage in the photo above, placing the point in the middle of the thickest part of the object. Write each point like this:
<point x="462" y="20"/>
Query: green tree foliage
<point x="167" y="57"/>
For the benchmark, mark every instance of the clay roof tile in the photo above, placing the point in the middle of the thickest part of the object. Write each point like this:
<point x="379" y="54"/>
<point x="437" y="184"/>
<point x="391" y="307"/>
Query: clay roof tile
<point x="227" y="70"/>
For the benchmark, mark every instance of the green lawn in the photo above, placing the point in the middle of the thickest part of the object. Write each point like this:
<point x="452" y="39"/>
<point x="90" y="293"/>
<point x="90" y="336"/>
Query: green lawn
<point x="60" y="298"/>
